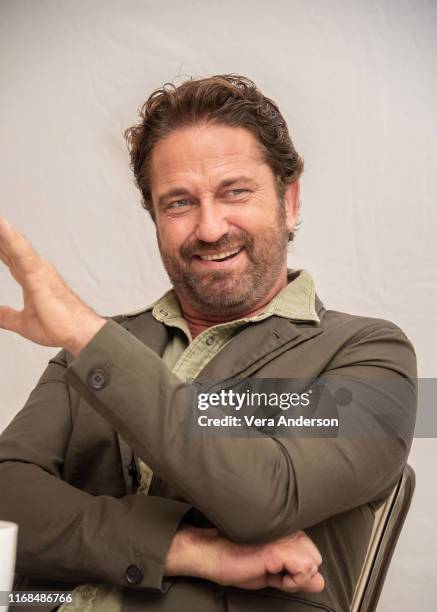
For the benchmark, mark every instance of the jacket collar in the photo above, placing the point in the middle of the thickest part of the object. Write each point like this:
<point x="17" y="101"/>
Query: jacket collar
<point x="295" y="301"/>
<point x="292" y="317"/>
<point x="289" y="322"/>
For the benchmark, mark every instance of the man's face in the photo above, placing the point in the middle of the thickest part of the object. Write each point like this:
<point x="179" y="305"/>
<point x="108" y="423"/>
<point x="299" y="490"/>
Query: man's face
<point x="222" y="231"/>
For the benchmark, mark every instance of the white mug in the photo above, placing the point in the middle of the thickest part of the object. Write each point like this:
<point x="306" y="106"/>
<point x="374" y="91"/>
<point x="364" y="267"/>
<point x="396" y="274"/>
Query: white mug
<point x="8" y="545"/>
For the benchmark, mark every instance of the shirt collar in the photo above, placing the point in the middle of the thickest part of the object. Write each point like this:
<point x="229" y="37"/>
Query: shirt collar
<point x="296" y="301"/>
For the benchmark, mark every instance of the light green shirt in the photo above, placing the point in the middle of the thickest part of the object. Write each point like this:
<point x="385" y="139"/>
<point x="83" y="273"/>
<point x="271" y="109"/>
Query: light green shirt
<point x="187" y="358"/>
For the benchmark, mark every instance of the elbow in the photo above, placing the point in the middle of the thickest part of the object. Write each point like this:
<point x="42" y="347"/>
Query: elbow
<point x="262" y="508"/>
<point x="259" y="518"/>
<point x="257" y="525"/>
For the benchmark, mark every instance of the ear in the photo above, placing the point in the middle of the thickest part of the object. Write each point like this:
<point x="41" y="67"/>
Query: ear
<point x="292" y="203"/>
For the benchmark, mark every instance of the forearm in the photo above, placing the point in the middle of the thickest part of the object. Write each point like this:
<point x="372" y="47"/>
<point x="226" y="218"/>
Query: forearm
<point x="150" y="407"/>
<point x="222" y="476"/>
<point x="289" y="564"/>
<point x="191" y="552"/>
<point x="287" y="485"/>
<point x="64" y="532"/>
<point x="67" y="534"/>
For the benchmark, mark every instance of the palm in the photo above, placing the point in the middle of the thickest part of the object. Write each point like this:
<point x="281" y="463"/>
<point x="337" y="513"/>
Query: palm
<point x="52" y="314"/>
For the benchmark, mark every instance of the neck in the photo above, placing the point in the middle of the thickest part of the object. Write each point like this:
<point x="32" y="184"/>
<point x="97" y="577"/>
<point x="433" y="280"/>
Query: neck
<point x="198" y="321"/>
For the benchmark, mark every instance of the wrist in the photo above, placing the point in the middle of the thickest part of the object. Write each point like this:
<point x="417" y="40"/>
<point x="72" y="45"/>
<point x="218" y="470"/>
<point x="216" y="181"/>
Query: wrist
<point x="190" y="552"/>
<point x="86" y="330"/>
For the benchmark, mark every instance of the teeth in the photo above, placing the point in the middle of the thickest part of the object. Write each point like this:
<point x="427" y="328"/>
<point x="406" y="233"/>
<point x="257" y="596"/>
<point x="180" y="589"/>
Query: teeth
<point x="219" y="255"/>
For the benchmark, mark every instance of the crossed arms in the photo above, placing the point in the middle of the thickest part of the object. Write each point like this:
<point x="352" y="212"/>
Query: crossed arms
<point x="220" y="477"/>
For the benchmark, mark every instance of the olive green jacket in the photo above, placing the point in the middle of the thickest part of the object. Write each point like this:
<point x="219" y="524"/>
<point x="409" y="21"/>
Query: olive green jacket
<point x="68" y="478"/>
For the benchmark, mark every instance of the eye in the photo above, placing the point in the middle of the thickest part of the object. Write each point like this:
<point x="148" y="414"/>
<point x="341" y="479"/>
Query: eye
<point x="237" y="192"/>
<point x="178" y="204"/>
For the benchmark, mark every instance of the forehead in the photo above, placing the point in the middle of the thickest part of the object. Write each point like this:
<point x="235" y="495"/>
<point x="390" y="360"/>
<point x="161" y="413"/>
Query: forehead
<point x="205" y="153"/>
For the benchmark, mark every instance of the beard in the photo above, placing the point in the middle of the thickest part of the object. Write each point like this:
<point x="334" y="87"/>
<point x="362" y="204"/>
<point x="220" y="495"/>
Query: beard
<point x="228" y="292"/>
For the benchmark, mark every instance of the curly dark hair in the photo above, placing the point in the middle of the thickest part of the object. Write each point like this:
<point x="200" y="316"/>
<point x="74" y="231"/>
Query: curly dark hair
<point x="227" y="99"/>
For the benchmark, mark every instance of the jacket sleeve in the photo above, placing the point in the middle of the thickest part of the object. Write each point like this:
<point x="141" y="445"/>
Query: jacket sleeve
<point x="64" y="533"/>
<point x="255" y="488"/>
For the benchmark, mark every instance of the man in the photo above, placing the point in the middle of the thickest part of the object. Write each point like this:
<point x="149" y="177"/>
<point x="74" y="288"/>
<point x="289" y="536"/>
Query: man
<point x="216" y="522"/>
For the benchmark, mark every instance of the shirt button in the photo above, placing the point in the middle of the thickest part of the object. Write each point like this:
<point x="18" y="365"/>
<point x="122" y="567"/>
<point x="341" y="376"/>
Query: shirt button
<point x="133" y="575"/>
<point x="97" y="379"/>
<point x="210" y="340"/>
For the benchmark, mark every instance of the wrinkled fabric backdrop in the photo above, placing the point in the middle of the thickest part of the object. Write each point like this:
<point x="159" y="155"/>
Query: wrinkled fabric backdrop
<point x="357" y="82"/>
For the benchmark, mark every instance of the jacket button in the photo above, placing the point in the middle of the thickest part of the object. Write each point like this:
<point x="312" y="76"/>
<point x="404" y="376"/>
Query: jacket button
<point x="210" y="340"/>
<point x="97" y="379"/>
<point x="133" y="575"/>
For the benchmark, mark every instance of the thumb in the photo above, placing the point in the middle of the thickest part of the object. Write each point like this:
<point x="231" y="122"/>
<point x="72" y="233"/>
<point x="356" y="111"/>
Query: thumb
<point x="316" y="584"/>
<point x="10" y="319"/>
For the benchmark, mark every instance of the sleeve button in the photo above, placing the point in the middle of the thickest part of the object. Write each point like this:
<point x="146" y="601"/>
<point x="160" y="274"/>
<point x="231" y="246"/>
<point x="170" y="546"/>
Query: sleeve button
<point x="133" y="575"/>
<point x="97" y="379"/>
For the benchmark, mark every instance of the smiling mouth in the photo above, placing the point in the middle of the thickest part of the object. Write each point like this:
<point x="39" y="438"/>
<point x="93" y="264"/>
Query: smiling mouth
<point x="223" y="256"/>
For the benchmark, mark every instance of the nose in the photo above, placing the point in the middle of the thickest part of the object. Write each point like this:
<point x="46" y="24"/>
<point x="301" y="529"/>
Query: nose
<point x="212" y="223"/>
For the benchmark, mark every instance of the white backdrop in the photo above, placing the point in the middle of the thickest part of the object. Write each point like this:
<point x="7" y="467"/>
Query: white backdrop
<point x="357" y="82"/>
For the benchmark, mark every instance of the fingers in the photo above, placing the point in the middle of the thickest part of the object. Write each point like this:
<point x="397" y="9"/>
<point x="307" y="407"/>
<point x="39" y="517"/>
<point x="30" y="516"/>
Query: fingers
<point x="305" y="543"/>
<point x="254" y="583"/>
<point x="315" y="585"/>
<point x="293" y="584"/>
<point x="4" y="229"/>
<point x="285" y="582"/>
<point x="10" y="319"/>
<point x="313" y="550"/>
<point x="4" y="225"/>
<point x="301" y="556"/>
<point x="16" y="251"/>
<point x="300" y="560"/>
<point x="5" y="236"/>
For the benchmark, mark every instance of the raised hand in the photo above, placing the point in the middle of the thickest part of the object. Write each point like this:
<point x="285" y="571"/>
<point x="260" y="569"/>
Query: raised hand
<point x="52" y="314"/>
<point x="290" y="564"/>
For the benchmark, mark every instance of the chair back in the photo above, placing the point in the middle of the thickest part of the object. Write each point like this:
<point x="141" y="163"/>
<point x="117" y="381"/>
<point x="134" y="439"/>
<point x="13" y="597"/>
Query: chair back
<point x="389" y="519"/>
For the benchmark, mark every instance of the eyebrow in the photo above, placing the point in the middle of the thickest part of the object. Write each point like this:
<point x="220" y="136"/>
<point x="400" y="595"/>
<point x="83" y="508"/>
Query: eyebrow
<point x="181" y="191"/>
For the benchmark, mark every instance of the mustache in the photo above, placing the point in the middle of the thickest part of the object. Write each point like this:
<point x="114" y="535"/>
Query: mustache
<point x="226" y="242"/>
